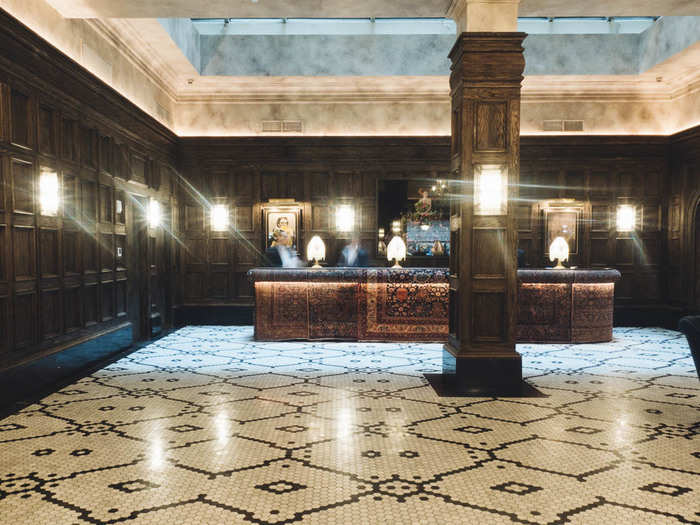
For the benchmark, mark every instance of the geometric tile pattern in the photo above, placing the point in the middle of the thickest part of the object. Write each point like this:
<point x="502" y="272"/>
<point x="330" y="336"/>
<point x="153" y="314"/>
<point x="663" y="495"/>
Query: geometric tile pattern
<point x="208" y="426"/>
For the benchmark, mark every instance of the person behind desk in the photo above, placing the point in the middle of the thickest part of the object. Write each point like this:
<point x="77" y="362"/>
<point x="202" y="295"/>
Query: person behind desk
<point x="353" y="254"/>
<point x="280" y="252"/>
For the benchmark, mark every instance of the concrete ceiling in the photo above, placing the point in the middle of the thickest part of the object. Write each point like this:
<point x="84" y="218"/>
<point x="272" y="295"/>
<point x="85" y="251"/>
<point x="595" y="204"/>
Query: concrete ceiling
<point x="355" y="8"/>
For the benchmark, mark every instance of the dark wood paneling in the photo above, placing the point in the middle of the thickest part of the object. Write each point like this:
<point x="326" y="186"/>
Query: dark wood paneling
<point x="48" y="252"/>
<point x="72" y="309"/>
<point x="21" y="119"/>
<point x="595" y="170"/>
<point x="50" y="314"/>
<point x="55" y="114"/>
<point x="490" y="125"/>
<point x="24" y="248"/>
<point x="22" y="186"/>
<point x="47" y="130"/>
<point x="91" y="306"/>
<point x="71" y="252"/>
<point x="25" y="320"/>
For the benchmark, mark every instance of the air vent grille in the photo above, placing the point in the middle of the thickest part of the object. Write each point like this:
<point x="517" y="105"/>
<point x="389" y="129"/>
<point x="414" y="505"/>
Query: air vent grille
<point x="573" y="125"/>
<point x="292" y="126"/>
<point x="272" y="126"/>
<point x="282" y="126"/>
<point x="552" y="125"/>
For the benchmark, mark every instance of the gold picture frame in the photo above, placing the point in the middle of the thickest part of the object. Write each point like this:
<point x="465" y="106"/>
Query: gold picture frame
<point x="278" y="217"/>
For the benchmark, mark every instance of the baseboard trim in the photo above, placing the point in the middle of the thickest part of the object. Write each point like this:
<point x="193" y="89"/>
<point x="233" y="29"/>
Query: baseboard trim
<point x="213" y="314"/>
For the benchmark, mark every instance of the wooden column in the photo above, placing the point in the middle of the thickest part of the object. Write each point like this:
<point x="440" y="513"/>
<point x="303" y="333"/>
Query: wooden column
<point x="485" y="83"/>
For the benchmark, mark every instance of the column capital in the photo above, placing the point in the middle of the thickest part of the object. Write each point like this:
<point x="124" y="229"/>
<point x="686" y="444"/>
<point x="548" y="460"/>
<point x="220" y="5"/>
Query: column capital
<point x="484" y="15"/>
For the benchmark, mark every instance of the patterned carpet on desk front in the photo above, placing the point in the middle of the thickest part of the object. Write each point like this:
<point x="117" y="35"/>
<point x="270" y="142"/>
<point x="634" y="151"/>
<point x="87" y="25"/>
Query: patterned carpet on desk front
<point x="206" y="426"/>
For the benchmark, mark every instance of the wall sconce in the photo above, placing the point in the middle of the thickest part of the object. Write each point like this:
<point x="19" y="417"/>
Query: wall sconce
<point x="490" y="190"/>
<point x="396" y="251"/>
<point x="345" y="218"/>
<point x="396" y="227"/>
<point x="48" y="193"/>
<point x="315" y="251"/>
<point x="559" y="251"/>
<point x="626" y="218"/>
<point x="219" y="218"/>
<point x="153" y="214"/>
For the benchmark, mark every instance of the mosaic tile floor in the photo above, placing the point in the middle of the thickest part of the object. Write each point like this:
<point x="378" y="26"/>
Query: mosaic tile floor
<point x="206" y="426"/>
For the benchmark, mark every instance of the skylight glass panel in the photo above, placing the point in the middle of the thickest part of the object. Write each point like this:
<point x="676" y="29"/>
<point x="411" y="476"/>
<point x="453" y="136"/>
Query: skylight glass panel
<point x="410" y="26"/>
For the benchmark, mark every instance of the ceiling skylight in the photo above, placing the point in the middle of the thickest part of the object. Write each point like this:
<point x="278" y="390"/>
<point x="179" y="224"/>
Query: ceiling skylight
<point x="409" y="26"/>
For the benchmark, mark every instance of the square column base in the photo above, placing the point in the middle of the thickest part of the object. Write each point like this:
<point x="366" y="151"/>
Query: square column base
<point x="481" y="376"/>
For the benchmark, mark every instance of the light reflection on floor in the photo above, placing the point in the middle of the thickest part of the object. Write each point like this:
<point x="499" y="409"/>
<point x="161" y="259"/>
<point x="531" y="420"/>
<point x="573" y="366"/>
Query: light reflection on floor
<point x="208" y="426"/>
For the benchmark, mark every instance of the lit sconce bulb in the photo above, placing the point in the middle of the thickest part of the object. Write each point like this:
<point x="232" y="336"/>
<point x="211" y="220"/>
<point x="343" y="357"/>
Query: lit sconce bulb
<point x="626" y="218"/>
<point x="433" y="188"/>
<point x="559" y="251"/>
<point x="396" y="227"/>
<point x="316" y="251"/>
<point x="219" y="218"/>
<point x="490" y="191"/>
<point x="48" y="193"/>
<point x="153" y="213"/>
<point x="381" y="233"/>
<point x="345" y="218"/>
<point x="396" y="251"/>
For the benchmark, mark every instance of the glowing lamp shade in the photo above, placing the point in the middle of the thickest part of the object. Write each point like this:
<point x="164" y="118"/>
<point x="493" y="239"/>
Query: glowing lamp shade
<point x="396" y="251"/>
<point x="345" y="218"/>
<point x="490" y="190"/>
<point x="153" y="213"/>
<point x="316" y="251"/>
<point x="626" y="218"/>
<point x="48" y="193"/>
<point x="559" y="251"/>
<point x="396" y="227"/>
<point x="219" y="217"/>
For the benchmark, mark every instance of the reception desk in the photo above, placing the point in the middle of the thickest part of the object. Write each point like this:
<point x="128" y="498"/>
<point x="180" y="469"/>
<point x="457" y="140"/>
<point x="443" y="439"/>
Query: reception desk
<point x="363" y="304"/>
<point x="411" y="304"/>
<point x="568" y="306"/>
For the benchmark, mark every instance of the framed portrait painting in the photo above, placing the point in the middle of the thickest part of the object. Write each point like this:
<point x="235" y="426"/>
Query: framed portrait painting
<point x="281" y="225"/>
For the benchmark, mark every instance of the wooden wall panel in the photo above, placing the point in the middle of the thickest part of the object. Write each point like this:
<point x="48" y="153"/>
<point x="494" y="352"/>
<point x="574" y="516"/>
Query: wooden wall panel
<point x="60" y="278"/>
<point x="682" y="262"/>
<point x="47" y="130"/>
<point x="24" y="248"/>
<point x="91" y="306"/>
<point x="25" y="321"/>
<point x="22" y="186"/>
<point x="48" y="253"/>
<point x="4" y="250"/>
<point x="321" y="172"/>
<point x="21" y="119"/>
<point x="88" y="247"/>
<point x="318" y="174"/>
<point x="50" y="308"/>
<point x="5" y="329"/>
<point x="72" y="309"/>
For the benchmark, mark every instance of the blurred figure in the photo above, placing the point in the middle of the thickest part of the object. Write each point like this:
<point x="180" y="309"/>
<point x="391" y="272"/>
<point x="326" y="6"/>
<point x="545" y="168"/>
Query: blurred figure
<point x="353" y="254"/>
<point x="280" y="252"/>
